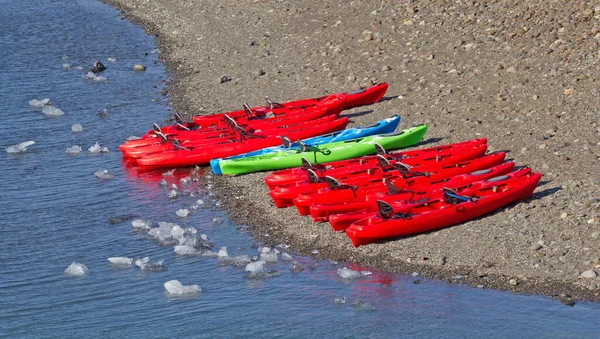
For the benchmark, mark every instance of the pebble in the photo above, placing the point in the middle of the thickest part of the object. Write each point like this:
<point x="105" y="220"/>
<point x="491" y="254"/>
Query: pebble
<point x="139" y="68"/>
<point x="386" y="68"/>
<point x="259" y="72"/>
<point x="564" y="215"/>
<point x="535" y="247"/>
<point x="568" y="91"/>
<point x="589" y="274"/>
<point x="513" y="282"/>
<point x="355" y="86"/>
<point x="567" y="301"/>
<point x="511" y="69"/>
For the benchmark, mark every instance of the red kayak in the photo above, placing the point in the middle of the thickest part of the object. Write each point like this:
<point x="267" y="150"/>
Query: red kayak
<point x="450" y="208"/>
<point x="427" y="163"/>
<point x="341" y="215"/>
<point x="361" y="97"/>
<point x="234" y="136"/>
<point x="266" y="127"/>
<point x="370" y="180"/>
<point x="291" y="175"/>
<point x="284" y="117"/>
<point x="191" y="156"/>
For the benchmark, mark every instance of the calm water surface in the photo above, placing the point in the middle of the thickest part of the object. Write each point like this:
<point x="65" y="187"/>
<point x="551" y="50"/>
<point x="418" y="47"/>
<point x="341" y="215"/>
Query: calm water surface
<point x="54" y="212"/>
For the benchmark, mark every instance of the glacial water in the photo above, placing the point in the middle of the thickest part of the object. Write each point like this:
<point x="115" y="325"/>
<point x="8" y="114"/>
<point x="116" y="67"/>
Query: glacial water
<point x="54" y="211"/>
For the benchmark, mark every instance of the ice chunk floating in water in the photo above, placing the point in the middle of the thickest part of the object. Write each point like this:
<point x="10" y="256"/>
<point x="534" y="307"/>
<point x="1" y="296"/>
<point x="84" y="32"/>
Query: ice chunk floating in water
<point x="52" y="111"/>
<point x="176" y="288"/>
<point x="121" y="261"/>
<point x="20" y="147"/>
<point x="76" y="128"/>
<point x="182" y="212"/>
<point x="39" y="103"/>
<point x="73" y="150"/>
<point x="103" y="175"/>
<point x="97" y="148"/>
<point x="76" y="270"/>
<point x="141" y="224"/>
<point x="346" y="273"/>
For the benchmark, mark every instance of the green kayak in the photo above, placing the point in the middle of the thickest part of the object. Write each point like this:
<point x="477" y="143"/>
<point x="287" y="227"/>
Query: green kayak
<point x="324" y="153"/>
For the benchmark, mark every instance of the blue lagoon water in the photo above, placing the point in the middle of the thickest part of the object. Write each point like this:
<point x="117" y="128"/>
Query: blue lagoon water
<point x="55" y="212"/>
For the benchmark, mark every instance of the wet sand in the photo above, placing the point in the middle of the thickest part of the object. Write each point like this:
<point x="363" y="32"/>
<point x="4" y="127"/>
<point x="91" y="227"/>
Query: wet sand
<point x="522" y="74"/>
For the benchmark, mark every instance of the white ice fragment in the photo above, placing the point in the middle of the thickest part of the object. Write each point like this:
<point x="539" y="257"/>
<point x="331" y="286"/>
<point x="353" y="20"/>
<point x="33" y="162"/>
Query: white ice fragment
<point x="20" y="147"/>
<point x="141" y="224"/>
<point x="112" y="59"/>
<point x="217" y="220"/>
<point x="99" y="79"/>
<point x="175" y="287"/>
<point x="200" y="202"/>
<point x="103" y="175"/>
<point x="222" y="252"/>
<point x="346" y="273"/>
<point x="269" y="257"/>
<point x="76" y="269"/>
<point x="39" y="103"/>
<point x="162" y="182"/>
<point x="97" y="148"/>
<point x="141" y="261"/>
<point x="173" y="194"/>
<point x="185" y="250"/>
<point x="286" y="257"/>
<point x="64" y="57"/>
<point x="89" y="75"/>
<point x="168" y="173"/>
<point x="52" y="111"/>
<point x="255" y="268"/>
<point x="73" y="149"/>
<point x="174" y="187"/>
<point x="182" y="212"/>
<point x="76" y="128"/>
<point x="218" y="204"/>
<point x="145" y="265"/>
<point x="415" y="274"/>
<point x="185" y="181"/>
<point x="121" y="261"/>
<point x="66" y="66"/>
<point x="78" y="67"/>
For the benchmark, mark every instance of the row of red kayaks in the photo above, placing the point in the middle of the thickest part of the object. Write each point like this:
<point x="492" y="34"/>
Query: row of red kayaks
<point x="403" y="193"/>
<point x="232" y="133"/>
<point x="370" y="198"/>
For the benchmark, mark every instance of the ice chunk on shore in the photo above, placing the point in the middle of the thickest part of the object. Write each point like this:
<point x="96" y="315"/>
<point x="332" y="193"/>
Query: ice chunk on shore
<point x="267" y="255"/>
<point x="346" y="273"/>
<point x="169" y="173"/>
<point x="175" y="287"/>
<point x="141" y="224"/>
<point x="76" y="128"/>
<point x="20" y="147"/>
<point x="73" y="149"/>
<point x="182" y="212"/>
<point x="286" y="257"/>
<point x="76" y="269"/>
<point x="97" y="148"/>
<point x="39" y="103"/>
<point x="103" y="175"/>
<point x="52" y="111"/>
<point x="121" y="261"/>
<point x="185" y="181"/>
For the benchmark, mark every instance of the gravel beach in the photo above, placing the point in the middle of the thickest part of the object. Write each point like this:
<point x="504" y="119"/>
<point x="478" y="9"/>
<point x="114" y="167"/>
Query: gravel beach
<point x="524" y="74"/>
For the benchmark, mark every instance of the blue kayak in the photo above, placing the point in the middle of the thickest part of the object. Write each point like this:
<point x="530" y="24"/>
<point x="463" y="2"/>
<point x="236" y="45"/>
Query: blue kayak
<point x="381" y="127"/>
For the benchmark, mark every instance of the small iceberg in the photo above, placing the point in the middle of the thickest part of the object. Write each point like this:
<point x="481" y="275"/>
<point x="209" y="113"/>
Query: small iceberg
<point x="257" y="270"/>
<point x="52" y="111"/>
<point x="20" y="147"/>
<point x="73" y="149"/>
<point x="145" y="265"/>
<point x="103" y="175"/>
<point x="66" y="66"/>
<point x="182" y="212"/>
<point x="121" y="261"/>
<point x="97" y="148"/>
<point x="176" y="288"/>
<point x="141" y="224"/>
<point x="76" y="128"/>
<point x="346" y="273"/>
<point x="39" y="103"/>
<point x="112" y="59"/>
<point x="76" y="270"/>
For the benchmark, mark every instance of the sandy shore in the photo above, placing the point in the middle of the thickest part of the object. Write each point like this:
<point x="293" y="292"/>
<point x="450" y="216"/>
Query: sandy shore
<point x="524" y="74"/>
